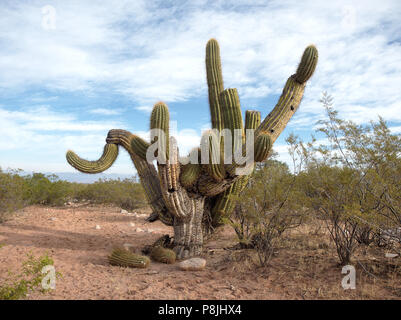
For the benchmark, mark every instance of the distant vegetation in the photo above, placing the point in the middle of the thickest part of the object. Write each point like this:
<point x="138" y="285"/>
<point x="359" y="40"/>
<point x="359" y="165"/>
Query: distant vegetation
<point x="18" y="191"/>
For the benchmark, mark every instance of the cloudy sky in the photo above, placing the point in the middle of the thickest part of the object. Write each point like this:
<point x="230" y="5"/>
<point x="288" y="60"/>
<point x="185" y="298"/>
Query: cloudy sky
<point x="72" y="70"/>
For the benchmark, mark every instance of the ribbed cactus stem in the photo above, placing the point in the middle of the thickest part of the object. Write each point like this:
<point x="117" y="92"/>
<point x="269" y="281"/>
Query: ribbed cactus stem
<point x="110" y="153"/>
<point x="189" y="174"/>
<point x="307" y="66"/>
<point x="160" y="119"/>
<point x="139" y="146"/>
<point x="215" y="82"/>
<point x="231" y="109"/>
<point x="163" y="255"/>
<point x="215" y="167"/>
<point x="262" y="147"/>
<point x="225" y="202"/>
<point x="124" y="258"/>
<point x="252" y="119"/>
<point x="285" y="108"/>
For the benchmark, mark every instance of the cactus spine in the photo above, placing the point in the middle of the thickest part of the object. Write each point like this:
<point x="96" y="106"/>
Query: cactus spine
<point x="193" y="197"/>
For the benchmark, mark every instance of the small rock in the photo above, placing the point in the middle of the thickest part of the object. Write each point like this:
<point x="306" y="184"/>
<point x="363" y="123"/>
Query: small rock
<point x="124" y="211"/>
<point x="139" y="230"/>
<point x="140" y="215"/>
<point x="97" y="227"/>
<point x="193" y="264"/>
<point x="150" y="230"/>
<point x="391" y="255"/>
<point x="132" y="224"/>
<point x="53" y="219"/>
<point x="153" y="272"/>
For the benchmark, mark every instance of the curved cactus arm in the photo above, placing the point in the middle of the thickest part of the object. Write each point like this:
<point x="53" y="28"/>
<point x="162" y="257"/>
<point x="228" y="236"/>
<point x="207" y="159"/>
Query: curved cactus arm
<point x="146" y="171"/>
<point x="110" y="153"/>
<point x="215" y="82"/>
<point x="291" y="96"/>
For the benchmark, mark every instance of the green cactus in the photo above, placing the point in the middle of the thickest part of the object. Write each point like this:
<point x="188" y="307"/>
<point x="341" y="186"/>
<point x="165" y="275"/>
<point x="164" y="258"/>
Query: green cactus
<point x="163" y="255"/>
<point x="194" y="197"/>
<point x="124" y="258"/>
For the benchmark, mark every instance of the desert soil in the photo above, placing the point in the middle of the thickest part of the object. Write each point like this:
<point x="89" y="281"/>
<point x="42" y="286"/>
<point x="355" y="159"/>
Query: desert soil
<point x="305" y="266"/>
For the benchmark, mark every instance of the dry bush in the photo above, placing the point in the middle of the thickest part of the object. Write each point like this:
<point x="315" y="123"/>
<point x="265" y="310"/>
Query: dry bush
<point x="268" y="206"/>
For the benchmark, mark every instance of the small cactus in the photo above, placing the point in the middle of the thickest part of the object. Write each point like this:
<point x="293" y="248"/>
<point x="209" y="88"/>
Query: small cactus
<point x="163" y="255"/>
<point x="124" y="258"/>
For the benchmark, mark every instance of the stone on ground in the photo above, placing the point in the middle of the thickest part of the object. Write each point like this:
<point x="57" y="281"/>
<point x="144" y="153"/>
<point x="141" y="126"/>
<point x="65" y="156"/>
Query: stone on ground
<point x="193" y="264"/>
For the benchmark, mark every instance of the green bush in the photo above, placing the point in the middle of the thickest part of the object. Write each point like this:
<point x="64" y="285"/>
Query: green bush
<point x="28" y="281"/>
<point x="127" y="193"/>
<point x="48" y="190"/>
<point x="13" y="192"/>
<point x="268" y="206"/>
<point x="352" y="180"/>
<point x="17" y="191"/>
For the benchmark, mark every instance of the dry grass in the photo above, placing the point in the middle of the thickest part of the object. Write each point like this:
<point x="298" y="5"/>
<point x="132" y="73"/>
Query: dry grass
<point x="306" y="266"/>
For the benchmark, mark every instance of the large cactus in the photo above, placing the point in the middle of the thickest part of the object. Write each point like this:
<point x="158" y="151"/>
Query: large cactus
<point x="194" y="197"/>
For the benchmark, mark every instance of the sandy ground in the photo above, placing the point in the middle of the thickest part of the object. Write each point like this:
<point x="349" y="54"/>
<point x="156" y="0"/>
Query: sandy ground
<point x="69" y="235"/>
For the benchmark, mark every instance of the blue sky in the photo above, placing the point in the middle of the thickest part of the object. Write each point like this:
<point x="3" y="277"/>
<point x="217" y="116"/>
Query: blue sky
<point x="97" y="65"/>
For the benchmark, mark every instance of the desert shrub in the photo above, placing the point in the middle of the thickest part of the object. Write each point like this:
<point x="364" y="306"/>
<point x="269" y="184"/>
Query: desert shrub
<point x="48" y="190"/>
<point x="268" y="206"/>
<point x="13" y="192"/>
<point x="351" y="179"/>
<point x="127" y="193"/>
<point x="29" y="280"/>
<point x="334" y="203"/>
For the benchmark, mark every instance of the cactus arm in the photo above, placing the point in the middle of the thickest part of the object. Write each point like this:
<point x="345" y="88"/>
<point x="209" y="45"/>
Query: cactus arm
<point x="110" y="153"/>
<point x="139" y="146"/>
<point x="189" y="174"/>
<point x="231" y="109"/>
<point x="266" y="133"/>
<point x="252" y="119"/>
<point x="176" y="198"/>
<point x="215" y="167"/>
<point x="225" y="202"/>
<point x="146" y="172"/>
<point x="215" y="82"/>
<point x="291" y="96"/>
<point x="159" y="119"/>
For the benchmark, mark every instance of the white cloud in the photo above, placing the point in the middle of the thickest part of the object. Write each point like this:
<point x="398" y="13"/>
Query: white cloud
<point x="148" y="53"/>
<point x="151" y="53"/>
<point x="106" y="112"/>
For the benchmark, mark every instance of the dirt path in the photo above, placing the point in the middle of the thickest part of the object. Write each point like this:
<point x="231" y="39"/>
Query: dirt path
<point x="79" y="250"/>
